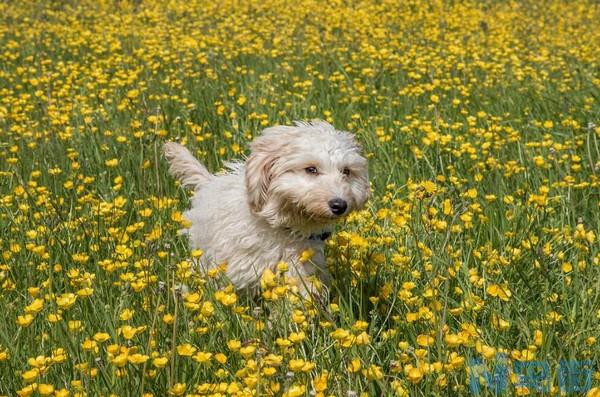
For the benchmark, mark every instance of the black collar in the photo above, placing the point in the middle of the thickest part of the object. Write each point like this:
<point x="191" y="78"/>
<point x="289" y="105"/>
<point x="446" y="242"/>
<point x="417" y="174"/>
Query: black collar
<point x="322" y="237"/>
<point x="315" y="236"/>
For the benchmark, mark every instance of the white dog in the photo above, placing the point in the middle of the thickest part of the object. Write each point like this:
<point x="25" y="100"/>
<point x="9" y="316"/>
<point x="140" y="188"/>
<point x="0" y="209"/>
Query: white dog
<point x="281" y="202"/>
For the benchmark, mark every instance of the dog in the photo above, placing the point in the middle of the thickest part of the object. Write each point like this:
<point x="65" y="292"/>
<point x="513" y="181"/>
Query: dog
<point x="277" y="206"/>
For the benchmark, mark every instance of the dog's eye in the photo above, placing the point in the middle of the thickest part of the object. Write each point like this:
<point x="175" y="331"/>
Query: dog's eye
<point x="346" y="171"/>
<point x="311" y="170"/>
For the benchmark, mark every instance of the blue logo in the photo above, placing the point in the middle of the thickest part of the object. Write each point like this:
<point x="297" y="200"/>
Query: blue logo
<point x="574" y="376"/>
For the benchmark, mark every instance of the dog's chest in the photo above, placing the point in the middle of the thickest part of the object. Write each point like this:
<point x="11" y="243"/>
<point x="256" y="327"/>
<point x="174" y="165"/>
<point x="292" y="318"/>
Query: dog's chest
<point x="304" y="258"/>
<point x="293" y="252"/>
<point x="248" y="255"/>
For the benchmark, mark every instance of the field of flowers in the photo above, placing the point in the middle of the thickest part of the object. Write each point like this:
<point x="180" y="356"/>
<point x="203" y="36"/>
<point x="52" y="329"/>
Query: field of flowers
<point x="478" y="253"/>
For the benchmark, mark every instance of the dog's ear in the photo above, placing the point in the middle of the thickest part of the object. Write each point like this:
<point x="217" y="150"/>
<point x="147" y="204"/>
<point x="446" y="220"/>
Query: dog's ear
<point x="259" y="168"/>
<point x="258" y="177"/>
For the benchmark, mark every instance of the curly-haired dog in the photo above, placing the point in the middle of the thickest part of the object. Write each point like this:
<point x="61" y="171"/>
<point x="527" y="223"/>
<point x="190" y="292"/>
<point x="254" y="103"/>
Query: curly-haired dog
<point x="297" y="181"/>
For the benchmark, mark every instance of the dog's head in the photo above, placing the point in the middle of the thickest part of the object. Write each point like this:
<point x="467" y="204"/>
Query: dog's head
<point x="305" y="176"/>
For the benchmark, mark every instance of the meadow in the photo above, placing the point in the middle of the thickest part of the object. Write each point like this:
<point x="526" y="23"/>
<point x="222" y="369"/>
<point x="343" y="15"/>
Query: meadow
<point x="475" y="267"/>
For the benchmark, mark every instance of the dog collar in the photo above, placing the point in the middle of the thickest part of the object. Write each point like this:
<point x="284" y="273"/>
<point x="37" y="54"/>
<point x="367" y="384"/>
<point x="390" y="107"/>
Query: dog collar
<point x="320" y="237"/>
<point x="315" y="236"/>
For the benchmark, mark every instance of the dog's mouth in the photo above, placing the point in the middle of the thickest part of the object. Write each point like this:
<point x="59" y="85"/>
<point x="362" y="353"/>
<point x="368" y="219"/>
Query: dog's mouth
<point x="312" y="213"/>
<point x="324" y="217"/>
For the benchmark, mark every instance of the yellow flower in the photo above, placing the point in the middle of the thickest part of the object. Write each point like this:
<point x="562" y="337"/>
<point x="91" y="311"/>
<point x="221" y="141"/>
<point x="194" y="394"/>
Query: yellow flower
<point x="89" y="345"/>
<point x="137" y="358"/>
<point x="306" y="255"/>
<point x="414" y="375"/>
<point x="35" y="307"/>
<point x="207" y="309"/>
<point x="429" y="187"/>
<point x="59" y="356"/>
<point x="33" y="291"/>
<point x="500" y="323"/>
<point x="373" y="372"/>
<point x="247" y="351"/>
<point x="360" y="325"/>
<point x="111" y="163"/>
<point x="488" y="352"/>
<point x="267" y="280"/>
<point x="340" y="334"/>
<point x="45" y="389"/>
<point x="160" y="362"/>
<point x="145" y="213"/>
<point x="455" y="360"/>
<point x="593" y="392"/>
<point x="132" y="94"/>
<point x="354" y="365"/>
<point x="297" y="337"/>
<point x="226" y="298"/>
<point x="399" y="389"/>
<point x="65" y="301"/>
<point x="425" y="340"/>
<point x="25" y="320"/>
<point x="471" y="193"/>
<point x="453" y="340"/>
<point x="539" y="161"/>
<point x="186" y="350"/>
<point x="80" y="258"/>
<point x="178" y="389"/>
<point x="128" y="331"/>
<point x="502" y="292"/>
<point x="75" y="325"/>
<point x="27" y="390"/>
<point x="120" y="360"/>
<point x="295" y="391"/>
<point x="221" y="358"/>
<point x="202" y="357"/>
<point x="85" y="292"/>
<point x="320" y="382"/>
<point x="282" y="267"/>
<point x="553" y="316"/>
<point x="234" y="345"/>
<point x="362" y="339"/>
<point x="126" y="314"/>
<point x="273" y="360"/>
<point x="61" y="393"/>
<point x="54" y="317"/>
<point x="30" y="375"/>
<point x="296" y="365"/>
<point x="101" y="337"/>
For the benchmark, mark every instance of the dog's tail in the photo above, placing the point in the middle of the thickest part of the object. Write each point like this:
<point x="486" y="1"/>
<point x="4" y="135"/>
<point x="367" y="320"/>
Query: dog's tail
<point x="184" y="166"/>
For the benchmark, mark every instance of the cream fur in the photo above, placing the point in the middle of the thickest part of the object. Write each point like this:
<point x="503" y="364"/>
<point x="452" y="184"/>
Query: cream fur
<point x="265" y="210"/>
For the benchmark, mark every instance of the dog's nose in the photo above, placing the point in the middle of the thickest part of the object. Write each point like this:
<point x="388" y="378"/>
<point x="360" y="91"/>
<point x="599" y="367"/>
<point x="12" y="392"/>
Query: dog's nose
<point x="338" y="206"/>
